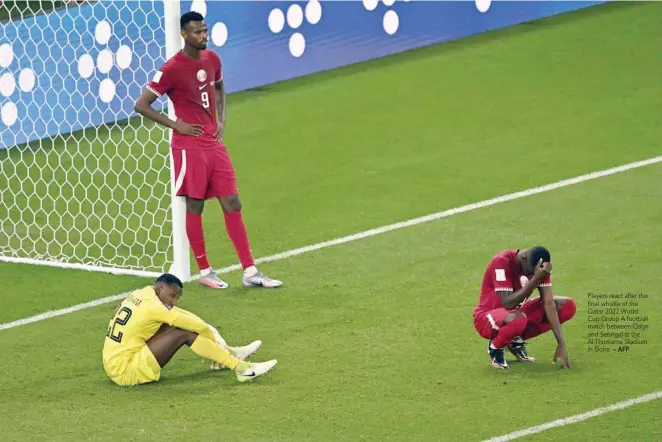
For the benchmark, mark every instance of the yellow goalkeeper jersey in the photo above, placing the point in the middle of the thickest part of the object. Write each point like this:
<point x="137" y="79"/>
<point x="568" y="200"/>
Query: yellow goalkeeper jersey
<point x="139" y="317"/>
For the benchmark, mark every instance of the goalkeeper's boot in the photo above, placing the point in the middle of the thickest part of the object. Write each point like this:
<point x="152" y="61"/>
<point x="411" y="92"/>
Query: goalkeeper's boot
<point x="247" y="371"/>
<point x="254" y="278"/>
<point x="244" y="352"/>
<point x="212" y="280"/>
<point x="518" y="348"/>
<point x="241" y="353"/>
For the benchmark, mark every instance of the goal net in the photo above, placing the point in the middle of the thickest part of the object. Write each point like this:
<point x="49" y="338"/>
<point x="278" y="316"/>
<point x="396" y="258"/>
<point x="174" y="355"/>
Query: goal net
<point x="85" y="182"/>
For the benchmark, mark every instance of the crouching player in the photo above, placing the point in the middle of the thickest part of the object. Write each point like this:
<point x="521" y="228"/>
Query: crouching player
<point x="148" y="329"/>
<point x="508" y="318"/>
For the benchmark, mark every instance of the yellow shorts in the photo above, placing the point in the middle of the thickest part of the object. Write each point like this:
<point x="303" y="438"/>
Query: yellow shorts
<point x="137" y="368"/>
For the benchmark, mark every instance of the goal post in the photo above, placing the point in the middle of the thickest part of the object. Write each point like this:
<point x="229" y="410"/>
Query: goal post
<point x="85" y="182"/>
<point x="181" y="264"/>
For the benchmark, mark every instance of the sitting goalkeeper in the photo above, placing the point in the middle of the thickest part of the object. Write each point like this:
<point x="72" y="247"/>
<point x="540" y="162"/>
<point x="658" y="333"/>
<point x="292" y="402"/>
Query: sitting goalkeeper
<point x="148" y="329"/>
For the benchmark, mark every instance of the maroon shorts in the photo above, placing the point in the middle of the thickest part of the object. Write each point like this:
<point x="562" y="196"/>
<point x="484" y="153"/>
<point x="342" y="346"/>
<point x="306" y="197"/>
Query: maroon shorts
<point x="488" y="323"/>
<point x="204" y="173"/>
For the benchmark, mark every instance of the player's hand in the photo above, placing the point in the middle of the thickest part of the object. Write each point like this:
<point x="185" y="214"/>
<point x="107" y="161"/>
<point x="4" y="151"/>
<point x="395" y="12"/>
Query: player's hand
<point x="542" y="270"/>
<point x="220" y="131"/>
<point x="185" y="128"/>
<point x="562" y="354"/>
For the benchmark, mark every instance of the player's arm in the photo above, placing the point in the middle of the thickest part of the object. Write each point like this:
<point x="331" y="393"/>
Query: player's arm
<point x="144" y="107"/>
<point x="510" y="299"/>
<point x="220" y="109"/>
<point x="161" y="84"/>
<point x="219" y="89"/>
<point x="552" y="315"/>
<point x="547" y="297"/>
<point x="180" y="318"/>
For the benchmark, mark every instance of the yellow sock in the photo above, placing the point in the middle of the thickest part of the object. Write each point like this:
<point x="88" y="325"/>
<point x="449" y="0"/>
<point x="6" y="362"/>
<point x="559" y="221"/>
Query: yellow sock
<point x="208" y="349"/>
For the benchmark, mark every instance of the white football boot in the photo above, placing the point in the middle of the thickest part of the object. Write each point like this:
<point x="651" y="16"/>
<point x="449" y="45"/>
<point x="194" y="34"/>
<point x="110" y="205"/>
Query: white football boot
<point x="241" y="353"/>
<point x="212" y="280"/>
<point x="254" y="278"/>
<point x="254" y="370"/>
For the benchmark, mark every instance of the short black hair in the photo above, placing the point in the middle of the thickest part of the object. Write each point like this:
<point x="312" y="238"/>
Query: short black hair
<point x="169" y="279"/>
<point x="189" y="17"/>
<point x="537" y="253"/>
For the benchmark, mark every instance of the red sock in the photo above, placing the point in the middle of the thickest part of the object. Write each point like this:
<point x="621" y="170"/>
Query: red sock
<point x="566" y="312"/>
<point x="509" y="331"/>
<point x="196" y="238"/>
<point x="237" y="232"/>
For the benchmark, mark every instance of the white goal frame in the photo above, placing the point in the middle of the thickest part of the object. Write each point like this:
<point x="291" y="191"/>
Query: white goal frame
<point x="178" y="262"/>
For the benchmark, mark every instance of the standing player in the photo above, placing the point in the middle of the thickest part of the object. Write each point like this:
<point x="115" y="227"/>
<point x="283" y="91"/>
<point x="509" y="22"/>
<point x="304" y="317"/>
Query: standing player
<point x="148" y="329"/>
<point x="507" y="318"/>
<point x="193" y="79"/>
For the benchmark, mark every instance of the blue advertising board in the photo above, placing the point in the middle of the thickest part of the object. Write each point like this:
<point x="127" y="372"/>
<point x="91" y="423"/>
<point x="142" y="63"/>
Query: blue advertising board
<point x="84" y="66"/>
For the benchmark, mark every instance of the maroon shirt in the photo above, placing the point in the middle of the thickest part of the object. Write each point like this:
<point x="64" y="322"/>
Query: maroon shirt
<point x="190" y="83"/>
<point x="503" y="273"/>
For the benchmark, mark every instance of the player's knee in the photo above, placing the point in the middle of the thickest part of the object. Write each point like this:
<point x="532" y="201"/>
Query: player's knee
<point x="231" y="203"/>
<point x="189" y="337"/>
<point x="194" y="206"/>
<point x="512" y="316"/>
<point x="165" y="328"/>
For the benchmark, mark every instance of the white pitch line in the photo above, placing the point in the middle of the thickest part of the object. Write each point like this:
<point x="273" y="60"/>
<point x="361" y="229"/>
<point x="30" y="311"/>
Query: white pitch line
<point x="578" y="417"/>
<point x="64" y="311"/>
<point x="365" y="234"/>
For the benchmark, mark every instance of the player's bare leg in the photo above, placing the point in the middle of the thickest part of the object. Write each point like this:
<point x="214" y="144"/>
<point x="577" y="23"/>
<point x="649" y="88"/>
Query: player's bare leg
<point x="513" y="325"/>
<point x="252" y="277"/>
<point x="168" y="340"/>
<point x="208" y="277"/>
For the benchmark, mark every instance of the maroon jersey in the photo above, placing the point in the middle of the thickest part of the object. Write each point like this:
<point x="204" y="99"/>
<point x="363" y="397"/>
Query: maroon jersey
<point x="190" y="85"/>
<point x="503" y="273"/>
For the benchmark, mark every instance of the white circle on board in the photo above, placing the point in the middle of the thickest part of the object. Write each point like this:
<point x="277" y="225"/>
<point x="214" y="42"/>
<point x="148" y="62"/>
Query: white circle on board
<point x="294" y="16"/>
<point x="124" y="57"/>
<point x="199" y="6"/>
<point x="6" y="55"/>
<point x="297" y="44"/>
<point x="483" y="5"/>
<point x="26" y="80"/>
<point x="85" y="66"/>
<point x="107" y="90"/>
<point x="370" y="5"/>
<point x="276" y="20"/>
<point x="313" y="12"/>
<point x="7" y="84"/>
<point x="219" y="34"/>
<point x="391" y="22"/>
<point x="9" y="113"/>
<point x="105" y="61"/>
<point x="102" y="32"/>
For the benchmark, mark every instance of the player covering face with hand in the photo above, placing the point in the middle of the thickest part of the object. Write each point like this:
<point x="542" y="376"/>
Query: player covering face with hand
<point x="193" y="80"/>
<point x="508" y="318"/>
<point x="148" y="329"/>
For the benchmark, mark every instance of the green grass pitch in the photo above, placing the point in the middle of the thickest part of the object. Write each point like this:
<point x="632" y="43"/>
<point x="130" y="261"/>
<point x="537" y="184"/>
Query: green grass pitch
<point x="374" y="338"/>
